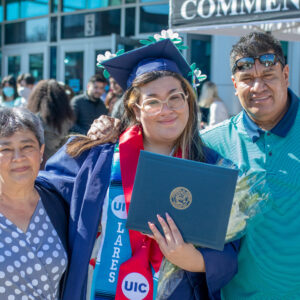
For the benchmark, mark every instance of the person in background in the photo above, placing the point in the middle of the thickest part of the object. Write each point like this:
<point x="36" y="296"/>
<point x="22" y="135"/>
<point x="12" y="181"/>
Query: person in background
<point x="26" y="84"/>
<point x="88" y="106"/>
<point x="9" y="95"/>
<point x="210" y="100"/>
<point x="33" y="220"/>
<point x="20" y="82"/>
<point x="50" y="102"/>
<point x="69" y="91"/>
<point x="114" y="97"/>
<point x="161" y="117"/>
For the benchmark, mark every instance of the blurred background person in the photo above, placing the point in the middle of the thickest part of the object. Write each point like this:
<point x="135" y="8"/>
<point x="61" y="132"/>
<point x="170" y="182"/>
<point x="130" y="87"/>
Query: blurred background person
<point x="89" y="106"/>
<point x="25" y="84"/>
<point x="50" y="102"/>
<point x="211" y="105"/>
<point x="9" y="94"/>
<point x="33" y="220"/>
<point x="69" y="91"/>
<point x="20" y="82"/>
<point x="114" y="97"/>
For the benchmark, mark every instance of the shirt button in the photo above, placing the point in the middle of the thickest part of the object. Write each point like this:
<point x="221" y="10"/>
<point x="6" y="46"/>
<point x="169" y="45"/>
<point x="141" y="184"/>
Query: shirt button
<point x="270" y="153"/>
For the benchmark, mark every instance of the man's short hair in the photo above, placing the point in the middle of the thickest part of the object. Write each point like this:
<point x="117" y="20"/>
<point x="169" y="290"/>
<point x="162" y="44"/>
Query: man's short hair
<point x="256" y="43"/>
<point x="97" y="78"/>
<point x="28" y="79"/>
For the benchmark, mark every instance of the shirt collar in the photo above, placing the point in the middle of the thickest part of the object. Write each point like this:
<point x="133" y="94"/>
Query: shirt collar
<point x="282" y="128"/>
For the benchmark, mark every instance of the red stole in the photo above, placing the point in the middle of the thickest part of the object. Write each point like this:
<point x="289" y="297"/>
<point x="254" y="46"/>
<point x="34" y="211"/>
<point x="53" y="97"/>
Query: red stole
<point x="135" y="279"/>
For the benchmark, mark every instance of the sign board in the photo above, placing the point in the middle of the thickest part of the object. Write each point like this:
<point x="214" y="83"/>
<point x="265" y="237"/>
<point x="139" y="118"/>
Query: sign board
<point x="216" y="12"/>
<point x="89" y="25"/>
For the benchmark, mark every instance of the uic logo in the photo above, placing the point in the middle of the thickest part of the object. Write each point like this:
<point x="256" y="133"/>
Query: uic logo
<point x="135" y="286"/>
<point x="118" y="207"/>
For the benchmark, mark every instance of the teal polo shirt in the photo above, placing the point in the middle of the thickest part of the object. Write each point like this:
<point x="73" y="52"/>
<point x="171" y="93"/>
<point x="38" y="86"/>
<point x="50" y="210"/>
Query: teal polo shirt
<point x="269" y="257"/>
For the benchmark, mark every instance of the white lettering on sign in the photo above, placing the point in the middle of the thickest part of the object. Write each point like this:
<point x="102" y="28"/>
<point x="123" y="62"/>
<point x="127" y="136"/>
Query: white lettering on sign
<point x="205" y="9"/>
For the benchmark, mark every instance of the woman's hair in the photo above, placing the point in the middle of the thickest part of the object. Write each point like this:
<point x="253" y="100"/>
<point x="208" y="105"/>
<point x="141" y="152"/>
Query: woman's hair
<point x="12" y="82"/>
<point x="18" y="118"/>
<point x="189" y="141"/>
<point x="51" y="102"/>
<point x="209" y="93"/>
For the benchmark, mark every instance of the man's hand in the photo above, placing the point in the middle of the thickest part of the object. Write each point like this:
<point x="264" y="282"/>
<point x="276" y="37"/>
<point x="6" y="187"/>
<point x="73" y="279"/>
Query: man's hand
<point x="106" y="129"/>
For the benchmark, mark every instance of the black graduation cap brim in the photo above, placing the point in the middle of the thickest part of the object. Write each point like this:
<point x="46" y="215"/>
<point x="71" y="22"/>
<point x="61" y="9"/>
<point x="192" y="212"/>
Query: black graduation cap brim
<point x="120" y="67"/>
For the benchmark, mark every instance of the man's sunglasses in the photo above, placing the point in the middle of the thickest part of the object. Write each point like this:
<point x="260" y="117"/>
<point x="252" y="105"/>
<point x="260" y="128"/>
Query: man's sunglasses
<point x="246" y="63"/>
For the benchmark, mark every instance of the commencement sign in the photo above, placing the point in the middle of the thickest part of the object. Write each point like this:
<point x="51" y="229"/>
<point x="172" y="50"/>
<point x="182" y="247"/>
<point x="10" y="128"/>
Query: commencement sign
<point x="189" y="13"/>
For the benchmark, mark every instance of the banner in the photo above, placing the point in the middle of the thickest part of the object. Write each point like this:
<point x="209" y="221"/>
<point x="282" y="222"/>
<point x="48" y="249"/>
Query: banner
<point x="189" y="13"/>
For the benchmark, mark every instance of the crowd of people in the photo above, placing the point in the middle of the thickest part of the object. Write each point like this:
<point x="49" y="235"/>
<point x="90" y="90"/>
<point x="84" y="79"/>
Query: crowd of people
<point x="61" y="237"/>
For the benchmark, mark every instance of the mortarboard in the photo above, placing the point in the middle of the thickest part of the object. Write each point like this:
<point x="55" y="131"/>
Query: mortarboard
<point x="162" y="55"/>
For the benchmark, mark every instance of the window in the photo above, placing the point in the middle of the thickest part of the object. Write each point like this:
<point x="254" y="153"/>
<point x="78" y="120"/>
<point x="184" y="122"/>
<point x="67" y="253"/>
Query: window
<point x="36" y="66"/>
<point x="0" y="66"/>
<point x="1" y="13"/>
<point x="53" y="29"/>
<point x="154" y="18"/>
<point x="35" y="30"/>
<point x="106" y="23"/>
<point x="71" y="5"/>
<point x="53" y="58"/>
<point x="74" y="70"/>
<point x="54" y="6"/>
<point x="14" y="65"/>
<point x="18" y="9"/>
<point x="130" y="21"/>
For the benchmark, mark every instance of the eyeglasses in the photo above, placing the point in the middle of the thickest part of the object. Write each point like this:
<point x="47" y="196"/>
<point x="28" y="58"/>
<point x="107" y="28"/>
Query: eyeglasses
<point x="246" y="63"/>
<point x="154" y="106"/>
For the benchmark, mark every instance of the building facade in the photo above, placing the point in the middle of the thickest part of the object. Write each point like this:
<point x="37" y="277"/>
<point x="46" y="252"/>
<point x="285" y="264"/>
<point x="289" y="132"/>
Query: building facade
<point x="61" y="39"/>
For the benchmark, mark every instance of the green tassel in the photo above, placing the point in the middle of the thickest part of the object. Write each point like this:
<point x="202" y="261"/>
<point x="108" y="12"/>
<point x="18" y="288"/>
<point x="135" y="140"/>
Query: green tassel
<point x="106" y="74"/>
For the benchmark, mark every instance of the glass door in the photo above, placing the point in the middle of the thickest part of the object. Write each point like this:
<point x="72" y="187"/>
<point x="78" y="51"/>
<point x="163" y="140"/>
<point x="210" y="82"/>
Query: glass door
<point x="26" y="59"/>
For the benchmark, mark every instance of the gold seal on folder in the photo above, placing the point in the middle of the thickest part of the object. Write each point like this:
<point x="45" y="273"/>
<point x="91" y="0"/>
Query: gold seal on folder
<point x="181" y="198"/>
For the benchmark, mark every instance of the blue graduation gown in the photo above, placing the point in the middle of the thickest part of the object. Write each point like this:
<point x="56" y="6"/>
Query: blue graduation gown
<point x="83" y="183"/>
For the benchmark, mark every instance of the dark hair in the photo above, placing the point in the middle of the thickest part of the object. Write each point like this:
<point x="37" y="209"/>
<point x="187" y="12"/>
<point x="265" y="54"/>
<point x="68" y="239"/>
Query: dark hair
<point x="19" y="118"/>
<point x="20" y="78"/>
<point x="28" y="78"/>
<point x="189" y="141"/>
<point x="51" y="102"/>
<point x="97" y="78"/>
<point x="12" y="82"/>
<point x="256" y="43"/>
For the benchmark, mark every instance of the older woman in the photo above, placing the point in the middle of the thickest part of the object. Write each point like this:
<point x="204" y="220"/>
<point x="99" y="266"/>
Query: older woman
<point x="108" y="261"/>
<point x="33" y="220"/>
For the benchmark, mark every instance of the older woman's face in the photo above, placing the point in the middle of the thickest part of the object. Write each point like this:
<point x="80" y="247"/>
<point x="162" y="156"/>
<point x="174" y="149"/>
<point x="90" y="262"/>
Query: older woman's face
<point x="20" y="158"/>
<point x="166" y="126"/>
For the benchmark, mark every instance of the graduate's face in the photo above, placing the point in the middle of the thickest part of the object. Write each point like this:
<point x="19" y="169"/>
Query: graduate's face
<point x="20" y="159"/>
<point x="166" y="126"/>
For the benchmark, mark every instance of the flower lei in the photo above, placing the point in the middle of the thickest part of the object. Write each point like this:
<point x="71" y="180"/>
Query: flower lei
<point x="165" y="34"/>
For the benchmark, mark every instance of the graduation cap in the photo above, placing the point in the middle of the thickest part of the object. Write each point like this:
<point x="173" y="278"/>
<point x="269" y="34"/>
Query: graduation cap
<point x="162" y="55"/>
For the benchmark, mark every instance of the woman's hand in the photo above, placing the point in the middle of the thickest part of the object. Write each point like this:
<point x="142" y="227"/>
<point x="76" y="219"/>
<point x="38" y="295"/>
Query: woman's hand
<point x="173" y="247"/>
<point x="105" y="128"/>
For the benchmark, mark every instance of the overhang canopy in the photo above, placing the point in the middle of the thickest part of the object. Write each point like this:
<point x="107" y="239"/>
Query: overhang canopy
<point x="237" y="17"/>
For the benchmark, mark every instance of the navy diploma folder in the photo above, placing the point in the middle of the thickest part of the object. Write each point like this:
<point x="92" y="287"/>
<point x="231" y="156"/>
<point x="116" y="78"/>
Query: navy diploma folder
<point x="196" y="195"/>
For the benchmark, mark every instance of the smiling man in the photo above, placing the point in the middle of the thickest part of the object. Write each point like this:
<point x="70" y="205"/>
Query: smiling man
<point x="264" y="141"/>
